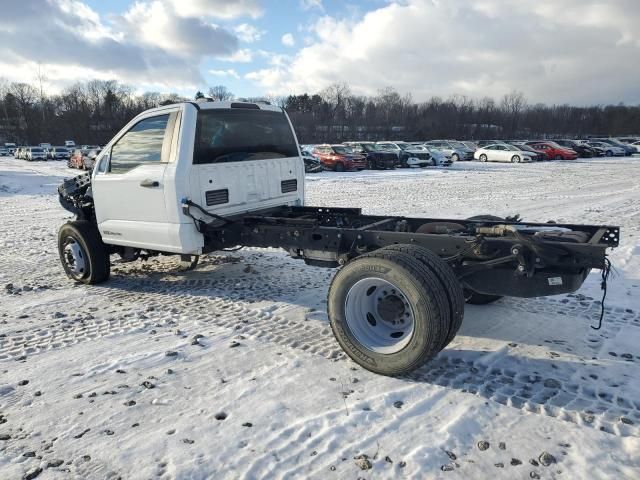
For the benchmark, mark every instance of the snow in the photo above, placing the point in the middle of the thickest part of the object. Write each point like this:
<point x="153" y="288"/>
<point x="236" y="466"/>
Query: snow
<point x="528" y="373"/>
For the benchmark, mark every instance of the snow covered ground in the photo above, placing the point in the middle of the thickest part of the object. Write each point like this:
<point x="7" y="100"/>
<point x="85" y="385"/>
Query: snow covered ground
<point x="231" y="371"/>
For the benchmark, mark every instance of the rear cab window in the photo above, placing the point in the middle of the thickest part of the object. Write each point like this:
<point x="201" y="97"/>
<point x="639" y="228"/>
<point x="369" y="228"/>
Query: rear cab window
<point x="242" y="134"/>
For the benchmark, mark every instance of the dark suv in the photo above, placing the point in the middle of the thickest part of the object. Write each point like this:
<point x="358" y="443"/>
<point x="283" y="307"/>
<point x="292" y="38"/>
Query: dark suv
<point x="377" y="159"/>
<point x="583" y="151"/>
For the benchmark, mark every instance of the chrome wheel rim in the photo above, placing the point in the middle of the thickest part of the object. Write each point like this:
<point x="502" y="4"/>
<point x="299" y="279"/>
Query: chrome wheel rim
<point x="74" y="258"/>
<point x="379" y="315"/>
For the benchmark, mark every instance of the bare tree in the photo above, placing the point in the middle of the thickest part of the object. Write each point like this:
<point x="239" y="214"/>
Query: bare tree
<point x="220" y="93"/>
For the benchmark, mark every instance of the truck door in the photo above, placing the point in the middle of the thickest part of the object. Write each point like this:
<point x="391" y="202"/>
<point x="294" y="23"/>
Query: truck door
<point x="129" y="186"/>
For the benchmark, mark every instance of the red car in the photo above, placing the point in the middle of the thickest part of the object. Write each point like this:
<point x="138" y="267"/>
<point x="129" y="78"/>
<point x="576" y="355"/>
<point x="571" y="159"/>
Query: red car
<point x="554" y="151"/>
<point x="339" y="158"/>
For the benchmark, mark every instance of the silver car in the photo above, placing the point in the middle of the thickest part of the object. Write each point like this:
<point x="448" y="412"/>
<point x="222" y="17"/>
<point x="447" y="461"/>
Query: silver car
<point x="35" y="153"/>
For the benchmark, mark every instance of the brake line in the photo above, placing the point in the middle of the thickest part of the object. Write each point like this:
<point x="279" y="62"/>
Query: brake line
<point x="606" y="271"/>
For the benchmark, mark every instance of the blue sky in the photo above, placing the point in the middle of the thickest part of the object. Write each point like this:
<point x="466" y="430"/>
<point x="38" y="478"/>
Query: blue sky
<point x="278" y="18"/>
<point x="579" y="52"/>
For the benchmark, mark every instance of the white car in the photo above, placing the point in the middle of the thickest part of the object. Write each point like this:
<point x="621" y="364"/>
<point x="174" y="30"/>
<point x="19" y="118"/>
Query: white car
<point x="609" y="150"/>
<point x="440" y="159"/>
<point x="408" y="156"/>
<point x="501" y="152"/>
<point x="35" y="153"/>
<point x="636" y="145"/>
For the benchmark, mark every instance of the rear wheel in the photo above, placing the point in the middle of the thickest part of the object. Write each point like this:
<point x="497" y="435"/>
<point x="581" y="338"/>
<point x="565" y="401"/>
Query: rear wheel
<point x="483" y="158"/>
<point x="446" y="277"/>
<point x="389" y="312"/>
<point x="84" y="257"/>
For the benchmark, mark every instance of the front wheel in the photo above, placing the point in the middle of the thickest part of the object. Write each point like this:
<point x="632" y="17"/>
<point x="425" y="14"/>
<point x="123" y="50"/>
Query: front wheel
<point x="483" y="158"/>
<point x="609" y="153"/>
<point x="84" y="257"/>
<point x="455" y="157"/>
<point x="515" y="159"/>
<point x="389" y="312"/>
<point x="339" y="167"/>
<point x="558" y="157"/>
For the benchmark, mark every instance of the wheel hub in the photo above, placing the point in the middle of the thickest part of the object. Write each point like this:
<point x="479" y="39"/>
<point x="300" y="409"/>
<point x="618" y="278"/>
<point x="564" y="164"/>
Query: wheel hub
<point x="379" y="315"/>
<point x="74" y="257"/>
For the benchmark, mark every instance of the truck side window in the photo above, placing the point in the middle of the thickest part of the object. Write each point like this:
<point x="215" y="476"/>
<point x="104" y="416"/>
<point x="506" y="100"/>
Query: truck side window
<point x="141" y="144"/>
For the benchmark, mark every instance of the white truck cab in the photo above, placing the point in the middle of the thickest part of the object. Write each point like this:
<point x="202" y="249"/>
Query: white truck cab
<point x="228" y="157"/>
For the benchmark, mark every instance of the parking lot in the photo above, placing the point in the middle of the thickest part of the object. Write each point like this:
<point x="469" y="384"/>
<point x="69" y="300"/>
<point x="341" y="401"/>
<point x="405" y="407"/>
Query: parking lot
<point x="232" y="367"/>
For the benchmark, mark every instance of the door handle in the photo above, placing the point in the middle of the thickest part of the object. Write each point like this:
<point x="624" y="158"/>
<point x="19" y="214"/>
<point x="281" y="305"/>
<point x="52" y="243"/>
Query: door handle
<point x="149" y="183"/>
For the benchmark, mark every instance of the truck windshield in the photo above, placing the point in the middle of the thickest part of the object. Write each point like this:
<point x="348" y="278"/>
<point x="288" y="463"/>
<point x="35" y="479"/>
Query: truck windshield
<point x="236" y="135"/>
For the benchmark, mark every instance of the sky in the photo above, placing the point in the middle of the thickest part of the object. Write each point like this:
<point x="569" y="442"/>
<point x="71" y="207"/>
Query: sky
<point x="554" y="51"/>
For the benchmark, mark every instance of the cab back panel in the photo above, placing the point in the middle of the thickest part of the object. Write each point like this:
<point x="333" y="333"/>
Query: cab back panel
<point x="228" y="188"/>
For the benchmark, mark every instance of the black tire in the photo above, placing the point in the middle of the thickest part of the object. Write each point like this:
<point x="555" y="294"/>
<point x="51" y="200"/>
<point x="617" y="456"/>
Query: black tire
<point x="339" y="167"/>
<point x="558" y="157"/>
<point x="489" y="218"/>
<point x="609" y="153"/>
<point x="422" y="291"/>
<point x="447" y="278"/>
<point x="86" y="238"/>
<point x="515" y="159"/>
<point x="483" y="158"/>
<point x="455" y="157"/>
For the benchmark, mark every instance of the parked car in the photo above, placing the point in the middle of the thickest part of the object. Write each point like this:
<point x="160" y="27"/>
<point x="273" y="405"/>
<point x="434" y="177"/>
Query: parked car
<point x="4" y="152"/>
<point x="536" y="155"/>
<point x="11" y="147"/>
<point x="83" y="160"/>
<point x="452" y="149"/>
<point x="628" y="149"/>
<point x="628" y="140"/>
<point x="377" y="158"/>
<point x="311" y="163"/>
<point x="583" y="151"/>
<point x="70" y="144"/>
<point x="440" y="159"/>
<point x="35" y="153"/>
<point x="502" y="152"/>
<point x="58" y="153"/>
<point x="608" y="149"/>
<point x="407" y="154"/>
<point x="636" y="145"/>
<point x="471" y="145"/>
<point x="339" y="158"/>
<point x="484" y="143"/>
<point x="553" y="150"/>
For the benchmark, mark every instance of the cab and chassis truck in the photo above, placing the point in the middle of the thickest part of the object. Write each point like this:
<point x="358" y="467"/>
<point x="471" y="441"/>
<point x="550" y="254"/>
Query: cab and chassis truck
<point x="194" y="178"/>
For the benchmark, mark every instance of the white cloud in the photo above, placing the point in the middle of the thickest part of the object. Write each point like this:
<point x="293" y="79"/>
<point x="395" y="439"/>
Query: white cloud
<point x="156" y="25"/>
<point x="310" y="4"/>
<point x="248" y="33"/>
<point x="225" y="73"/>
<point x="583" y="52"/>
<point x="244" y="55"/>
<point x="217" y="8"/>
<point x="288" y="40"/>
<point x="148" y="45"/>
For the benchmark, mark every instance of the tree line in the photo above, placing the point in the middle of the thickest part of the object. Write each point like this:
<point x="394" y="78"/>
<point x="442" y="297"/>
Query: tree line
<point x="93" y="111"/>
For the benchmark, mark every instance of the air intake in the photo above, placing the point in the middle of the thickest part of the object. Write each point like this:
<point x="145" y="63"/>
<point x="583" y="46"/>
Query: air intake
<point x="217" y="197"/>
<point x="288" y="186"/>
